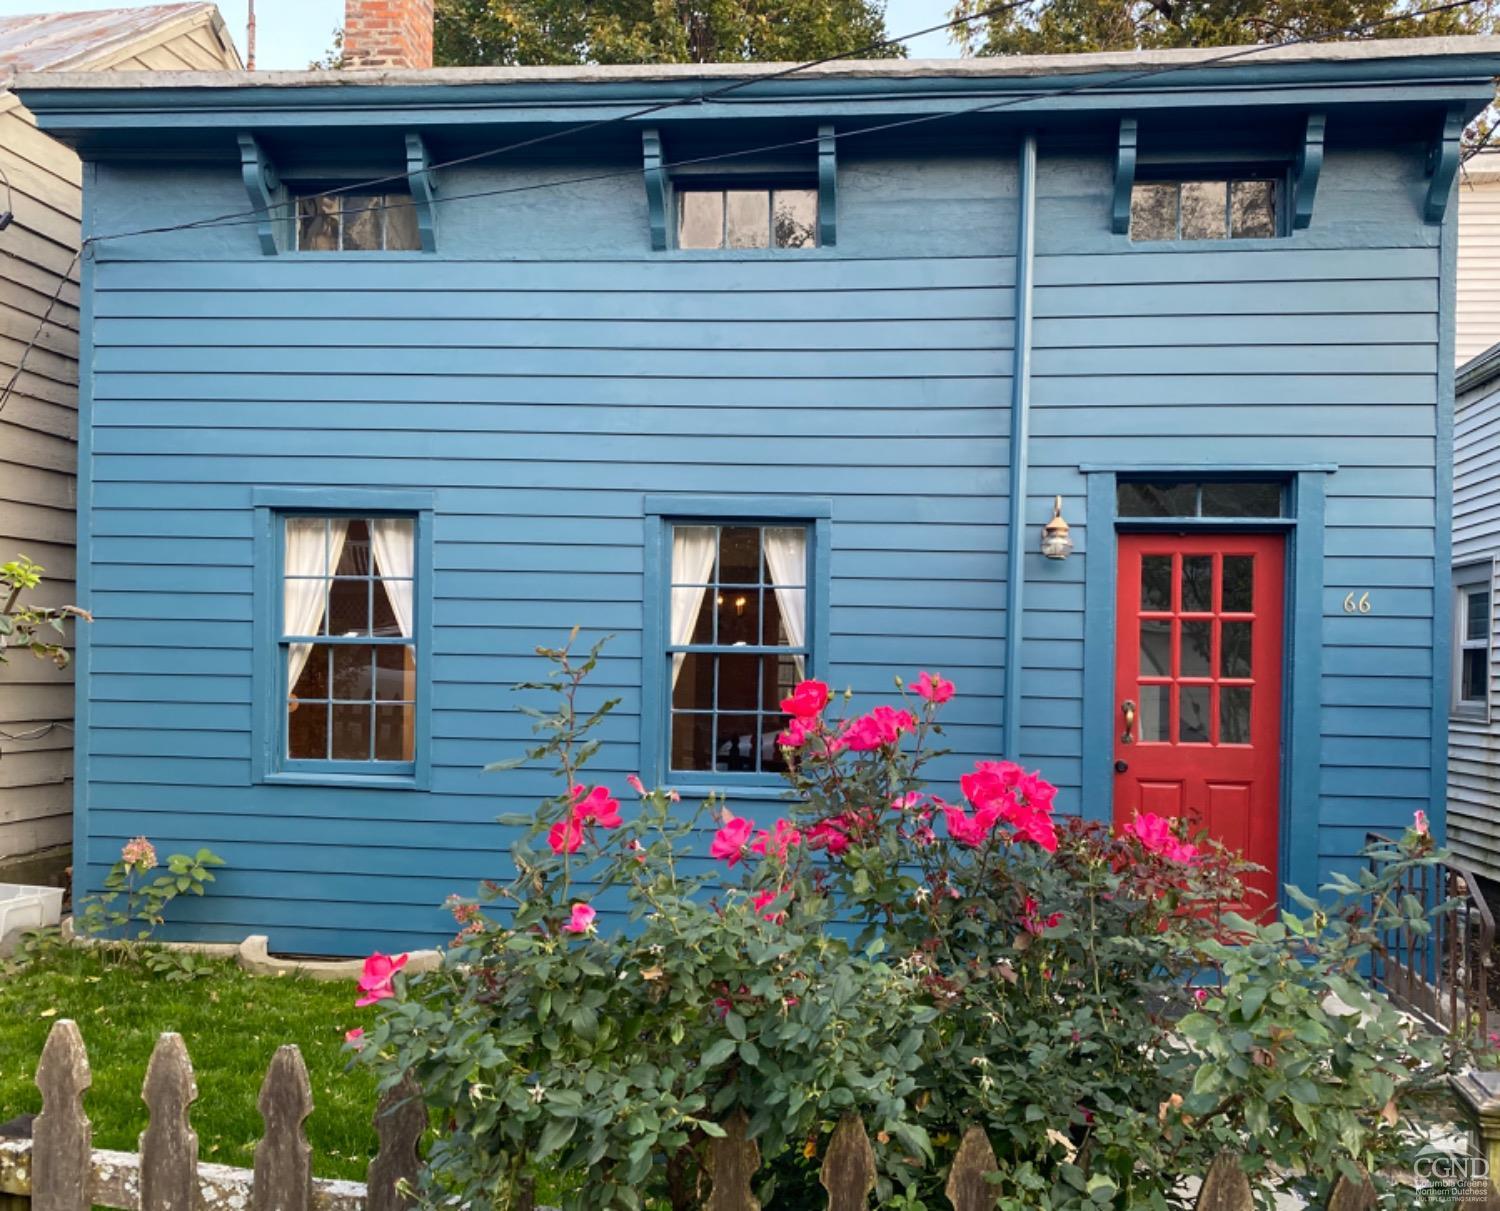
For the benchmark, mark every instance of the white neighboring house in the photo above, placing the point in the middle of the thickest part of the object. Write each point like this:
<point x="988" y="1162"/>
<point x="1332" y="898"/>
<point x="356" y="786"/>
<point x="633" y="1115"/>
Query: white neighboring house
<point x="41" y="187"/>
<point x="1478" y="312"/>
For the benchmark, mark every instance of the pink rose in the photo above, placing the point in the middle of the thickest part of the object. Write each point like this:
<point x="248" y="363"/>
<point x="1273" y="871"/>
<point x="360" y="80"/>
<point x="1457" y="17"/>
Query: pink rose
<point x="798" y="732"/>
<point x="831" y="835"/>
<point x="565" y="836"/>
<point x="807" y="700"/>
<point x="966" y="830"/>
<point x="636" y="784"/>
<point x="730" y="841"/>
<point x="582" y="920"/>
<point x="375" y="982"/>
<point x="1156" y="836"/>
<point x="355" y="1038"/>
<point x="884" y="725"/>
<point x="1419" y="823"/>
<point x="762" y="902"/>
<point x="782" y="840"/>
<point x="596" y="806"/>
<point x="933" y="687"/>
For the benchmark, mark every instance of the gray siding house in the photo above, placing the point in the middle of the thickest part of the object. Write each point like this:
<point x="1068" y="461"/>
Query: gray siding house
<point x="41" y="185"/>
<point x="1474" y="724"/>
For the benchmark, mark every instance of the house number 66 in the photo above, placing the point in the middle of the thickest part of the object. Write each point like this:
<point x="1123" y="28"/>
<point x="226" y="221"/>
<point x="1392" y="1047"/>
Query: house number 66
<point x="1357" y="606"/>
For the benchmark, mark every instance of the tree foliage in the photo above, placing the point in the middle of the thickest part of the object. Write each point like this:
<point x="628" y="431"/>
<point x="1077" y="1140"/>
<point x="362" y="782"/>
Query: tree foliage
<point x="1070" y="26"/>
<point x="531" y="32"/>
<point x="24" y="625"/>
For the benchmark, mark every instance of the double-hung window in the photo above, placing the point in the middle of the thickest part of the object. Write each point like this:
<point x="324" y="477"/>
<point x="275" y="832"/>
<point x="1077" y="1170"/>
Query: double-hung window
<point x="738" y="643"/>
<point x="736" y="618"/>
<point x="1472" y="615"/>
<point x="347" y="644"/>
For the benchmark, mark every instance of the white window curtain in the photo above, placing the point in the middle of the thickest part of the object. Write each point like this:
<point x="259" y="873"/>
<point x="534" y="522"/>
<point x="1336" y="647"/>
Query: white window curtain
<point x="786" y="556"/>
<point x="313" y="548"/>
<point x="395" y="550"/>
<point x="693" y="549"/>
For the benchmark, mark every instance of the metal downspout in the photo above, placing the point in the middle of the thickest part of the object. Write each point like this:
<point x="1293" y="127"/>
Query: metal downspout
<point x="1020" y="435"/>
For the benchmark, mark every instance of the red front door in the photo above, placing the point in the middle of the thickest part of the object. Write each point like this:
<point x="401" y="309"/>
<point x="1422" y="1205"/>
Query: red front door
<point x="1198" y="688"/>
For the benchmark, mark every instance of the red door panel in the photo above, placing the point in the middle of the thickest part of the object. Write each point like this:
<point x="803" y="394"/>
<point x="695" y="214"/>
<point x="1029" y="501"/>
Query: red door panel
<point x="1198" y="676"/>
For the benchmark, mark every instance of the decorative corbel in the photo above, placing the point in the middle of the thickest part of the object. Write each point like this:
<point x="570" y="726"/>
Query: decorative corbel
<point x="1305" y="174"/>
<point x="1442" y="165"/>
<point x="1119" y="219"/>
<point x="264" y="187"/>
<point x="424" y="186"/>
<point x="656" y="186"/>
<point x="828" y="187"/>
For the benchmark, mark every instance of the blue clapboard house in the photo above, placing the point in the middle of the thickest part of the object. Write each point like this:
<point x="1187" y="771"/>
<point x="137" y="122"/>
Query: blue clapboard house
<point x="767" y="379"/>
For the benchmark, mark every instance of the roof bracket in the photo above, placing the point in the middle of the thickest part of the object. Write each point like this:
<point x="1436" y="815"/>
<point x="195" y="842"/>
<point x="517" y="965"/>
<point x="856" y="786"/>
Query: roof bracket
<point x="263" y="184"/>
<point x="1119" y="221"/>
<point x="828" y="187"/>
<point x="1442" y="165"/>
<point x="1305" y="174"/>
<point x="424" y="186"/>
<point x="656" y="186"/>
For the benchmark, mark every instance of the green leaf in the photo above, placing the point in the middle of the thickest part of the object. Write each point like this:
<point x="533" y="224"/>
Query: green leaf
<point x="555" y="1134"/>
<point x="1304" y="1091"/>
<point x="718" y="1052"/>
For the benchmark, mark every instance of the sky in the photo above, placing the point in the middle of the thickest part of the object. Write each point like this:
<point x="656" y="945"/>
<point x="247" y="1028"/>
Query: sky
<point x="290" y="34"/>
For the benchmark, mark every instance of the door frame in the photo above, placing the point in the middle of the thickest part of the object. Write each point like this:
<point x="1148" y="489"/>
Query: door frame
<point x="1302" y="640"/>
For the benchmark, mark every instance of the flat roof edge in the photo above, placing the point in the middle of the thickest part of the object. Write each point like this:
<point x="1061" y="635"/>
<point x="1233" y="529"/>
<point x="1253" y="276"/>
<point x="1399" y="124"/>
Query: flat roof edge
<point x="1332" y="54"/>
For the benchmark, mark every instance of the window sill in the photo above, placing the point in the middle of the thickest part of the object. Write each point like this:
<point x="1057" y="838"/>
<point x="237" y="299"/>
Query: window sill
<point x="1469" y="714"/>
<point x="395" y="782"/>
<point x="761" y="791"/>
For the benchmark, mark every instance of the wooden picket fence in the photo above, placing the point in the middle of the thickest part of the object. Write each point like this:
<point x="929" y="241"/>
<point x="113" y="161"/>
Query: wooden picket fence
<point x="58" y="1169"/>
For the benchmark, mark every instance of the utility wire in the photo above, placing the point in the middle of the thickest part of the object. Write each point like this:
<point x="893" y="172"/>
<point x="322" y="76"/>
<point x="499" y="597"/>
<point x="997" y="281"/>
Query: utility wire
<point x="63" y="279"/>
<point x="235" y="219"/>
<point x="584" y="127"/>
<point x="245" y="217"/>
<point x="897" y="124"/>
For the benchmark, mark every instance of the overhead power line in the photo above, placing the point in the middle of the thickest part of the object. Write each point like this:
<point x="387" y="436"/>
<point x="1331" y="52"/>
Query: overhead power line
<point x="248" y="217"/>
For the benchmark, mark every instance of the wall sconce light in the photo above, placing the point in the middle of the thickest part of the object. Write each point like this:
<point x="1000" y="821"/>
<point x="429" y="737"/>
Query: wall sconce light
<point x="739" y="606"/>
<point x="1056" y="542"/>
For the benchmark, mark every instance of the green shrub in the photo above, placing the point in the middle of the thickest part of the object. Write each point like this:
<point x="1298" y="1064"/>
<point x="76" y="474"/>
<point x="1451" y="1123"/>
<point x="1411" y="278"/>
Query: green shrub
<point x="1092" y="1000"/>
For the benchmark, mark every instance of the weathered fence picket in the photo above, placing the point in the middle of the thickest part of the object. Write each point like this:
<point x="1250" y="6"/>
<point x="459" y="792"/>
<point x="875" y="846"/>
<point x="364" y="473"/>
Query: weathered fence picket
<point x="169" y="1145"/>
<point x="849" y="1168"/>
<point x="732" y="1162"/>
<point x="283" y="1158"/>
<point x="58" y="1169"/>
<point x="61" y="1138"/>
<point x="400" y="1123"/>
<point x="967" y="1188"/>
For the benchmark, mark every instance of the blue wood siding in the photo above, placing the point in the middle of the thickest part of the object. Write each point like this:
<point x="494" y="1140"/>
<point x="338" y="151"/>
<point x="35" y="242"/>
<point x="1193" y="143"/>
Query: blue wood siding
<point x="544" y="371"/>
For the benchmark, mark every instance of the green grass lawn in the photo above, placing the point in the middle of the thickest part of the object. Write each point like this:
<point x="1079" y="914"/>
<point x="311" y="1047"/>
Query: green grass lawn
<point x="232" y="1024"/>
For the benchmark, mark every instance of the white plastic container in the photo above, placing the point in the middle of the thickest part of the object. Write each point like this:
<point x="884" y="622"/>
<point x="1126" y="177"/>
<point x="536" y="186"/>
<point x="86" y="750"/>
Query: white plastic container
<point x="23" y="907"/>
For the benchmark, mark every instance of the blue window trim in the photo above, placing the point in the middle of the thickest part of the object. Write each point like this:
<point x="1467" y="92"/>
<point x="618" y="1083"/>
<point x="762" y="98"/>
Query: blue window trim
<point x="1302" y="643"/>
<point x="268" y="764"/>
<point x="660" y="511"/>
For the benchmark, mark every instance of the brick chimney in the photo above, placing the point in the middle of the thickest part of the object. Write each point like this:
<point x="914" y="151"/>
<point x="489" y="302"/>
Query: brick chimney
<point x="390" y="34"/>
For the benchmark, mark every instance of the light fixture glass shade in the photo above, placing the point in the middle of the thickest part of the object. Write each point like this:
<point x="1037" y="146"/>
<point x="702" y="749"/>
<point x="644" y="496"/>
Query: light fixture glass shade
<point x="1057" y="543"/>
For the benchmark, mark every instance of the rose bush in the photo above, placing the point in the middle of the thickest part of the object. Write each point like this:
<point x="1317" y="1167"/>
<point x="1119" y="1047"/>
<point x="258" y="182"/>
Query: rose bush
<point x="1093" y="1000"/>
